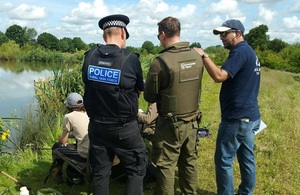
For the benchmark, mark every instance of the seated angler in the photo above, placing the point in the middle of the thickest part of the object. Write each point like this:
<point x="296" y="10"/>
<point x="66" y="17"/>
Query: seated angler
<point x="147" y="120"/>
<point x="75" y="123"/>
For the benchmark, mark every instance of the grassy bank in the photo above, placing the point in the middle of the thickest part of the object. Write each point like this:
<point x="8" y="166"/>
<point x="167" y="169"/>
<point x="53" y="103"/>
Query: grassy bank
<point x="278" y="169"/>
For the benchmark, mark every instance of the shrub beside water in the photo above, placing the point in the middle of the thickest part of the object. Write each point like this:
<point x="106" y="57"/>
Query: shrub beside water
<point x="8" y="125"/>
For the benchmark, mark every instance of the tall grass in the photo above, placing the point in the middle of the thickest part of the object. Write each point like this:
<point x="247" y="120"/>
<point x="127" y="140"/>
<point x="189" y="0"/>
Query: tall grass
<point x="277" y="147"/>
<point x="278" y="169"/>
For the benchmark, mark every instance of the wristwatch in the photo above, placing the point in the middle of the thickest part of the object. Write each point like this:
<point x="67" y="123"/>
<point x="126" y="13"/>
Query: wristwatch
<point x="205" y="55"/>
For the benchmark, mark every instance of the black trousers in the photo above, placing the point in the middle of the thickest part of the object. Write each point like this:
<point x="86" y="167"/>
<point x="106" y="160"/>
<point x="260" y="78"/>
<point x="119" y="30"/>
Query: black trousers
<point x="69" y="150"/>
<point x="125" y="141"/>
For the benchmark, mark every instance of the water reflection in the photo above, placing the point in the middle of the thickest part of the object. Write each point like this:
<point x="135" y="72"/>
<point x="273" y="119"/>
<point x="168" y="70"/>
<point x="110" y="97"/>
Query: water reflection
<point x="16" y="86"/>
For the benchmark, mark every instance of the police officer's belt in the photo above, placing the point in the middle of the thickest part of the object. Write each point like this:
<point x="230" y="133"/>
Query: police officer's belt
<point x="112" y="120"/>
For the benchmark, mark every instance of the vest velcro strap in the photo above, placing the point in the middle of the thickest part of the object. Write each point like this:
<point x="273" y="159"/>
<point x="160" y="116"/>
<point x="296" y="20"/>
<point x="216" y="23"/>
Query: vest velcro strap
<point x="188" y="117"/>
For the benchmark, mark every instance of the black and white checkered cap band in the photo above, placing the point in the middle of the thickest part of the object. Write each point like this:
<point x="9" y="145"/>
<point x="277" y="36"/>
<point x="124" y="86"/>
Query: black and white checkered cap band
<point x="114" y="23"/>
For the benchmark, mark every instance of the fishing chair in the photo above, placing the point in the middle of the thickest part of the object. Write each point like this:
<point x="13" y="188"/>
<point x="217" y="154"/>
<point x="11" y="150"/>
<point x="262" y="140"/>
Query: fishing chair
<point x="85" y="169"/>
<point x="81" y="167"/>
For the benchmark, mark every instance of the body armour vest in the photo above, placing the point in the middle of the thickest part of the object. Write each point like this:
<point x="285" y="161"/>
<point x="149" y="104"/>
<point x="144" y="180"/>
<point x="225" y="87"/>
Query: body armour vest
<point x="106" y="96"/>
<point x="182" y="95"/>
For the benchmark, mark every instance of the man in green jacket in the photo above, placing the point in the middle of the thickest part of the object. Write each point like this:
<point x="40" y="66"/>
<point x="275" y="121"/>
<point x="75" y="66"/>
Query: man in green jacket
<point x="174" y="83"/>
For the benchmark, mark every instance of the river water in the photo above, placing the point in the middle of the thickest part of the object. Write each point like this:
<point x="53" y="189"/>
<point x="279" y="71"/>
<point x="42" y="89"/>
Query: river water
<point x="16" y="87"/>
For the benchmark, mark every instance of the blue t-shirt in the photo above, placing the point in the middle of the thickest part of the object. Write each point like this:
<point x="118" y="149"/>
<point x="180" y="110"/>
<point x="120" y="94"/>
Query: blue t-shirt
<point x="238" y="96"/>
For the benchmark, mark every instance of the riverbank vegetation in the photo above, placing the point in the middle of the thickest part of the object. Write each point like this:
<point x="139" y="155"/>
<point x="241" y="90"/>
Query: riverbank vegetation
<point x="278" y="170"/>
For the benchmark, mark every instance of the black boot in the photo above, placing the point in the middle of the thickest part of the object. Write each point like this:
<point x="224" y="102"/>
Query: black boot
<point x="59" y="179"/>
<point x="57" y="173"/>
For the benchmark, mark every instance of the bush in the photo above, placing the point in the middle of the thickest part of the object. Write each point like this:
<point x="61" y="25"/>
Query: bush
<point x="272" y="60"/>
<point x="291" y="55"/>
<point x="218" y="54"/>
<point x="9" y="51"/>
<point x="7" y="124"/>
<point x="53" y="91"/>
<point x="4" y="133"/>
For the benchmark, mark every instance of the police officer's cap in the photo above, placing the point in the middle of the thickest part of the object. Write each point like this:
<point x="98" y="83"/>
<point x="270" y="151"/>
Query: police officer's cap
<point x="116" y="20"/>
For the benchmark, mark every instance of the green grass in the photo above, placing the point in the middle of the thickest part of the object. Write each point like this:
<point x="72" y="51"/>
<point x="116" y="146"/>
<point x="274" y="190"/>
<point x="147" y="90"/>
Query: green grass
<point x="277" y="147"/>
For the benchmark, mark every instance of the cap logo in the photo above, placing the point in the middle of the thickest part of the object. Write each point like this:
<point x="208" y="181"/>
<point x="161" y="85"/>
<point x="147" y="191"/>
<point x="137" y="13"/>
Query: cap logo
<point x="113" y="23"/>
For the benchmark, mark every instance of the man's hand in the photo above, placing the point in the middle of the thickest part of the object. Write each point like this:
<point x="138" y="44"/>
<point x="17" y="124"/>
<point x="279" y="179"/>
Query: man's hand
<point x="200" y="51"/>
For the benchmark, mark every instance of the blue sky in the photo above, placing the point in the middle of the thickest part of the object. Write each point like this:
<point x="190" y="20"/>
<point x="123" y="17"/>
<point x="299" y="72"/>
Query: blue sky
<point x="79" y="18"/>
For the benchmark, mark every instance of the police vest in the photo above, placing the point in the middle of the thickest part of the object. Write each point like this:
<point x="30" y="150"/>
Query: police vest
<point x="105" y="99"/>
<point x="182" y="95"/>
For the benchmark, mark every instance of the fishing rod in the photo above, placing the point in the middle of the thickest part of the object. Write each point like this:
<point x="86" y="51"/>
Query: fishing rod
<point x="14" y="179"/>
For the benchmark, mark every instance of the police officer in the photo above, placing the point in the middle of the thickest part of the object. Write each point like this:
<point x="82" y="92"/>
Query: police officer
<point x="174" y="83"/>
<point x="113" y="78"/>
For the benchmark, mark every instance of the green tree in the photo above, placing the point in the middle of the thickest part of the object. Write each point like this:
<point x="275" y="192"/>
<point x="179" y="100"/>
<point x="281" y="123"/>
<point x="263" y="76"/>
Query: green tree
<point x="148" y="46"/>
<point x="79" y="44"/>
<point x="133" y="49"/>
<point x="196" y="44"/>
<point x="66" y="45"/>
<point x="291" y="54"/>
<point x="17" y="34"/>
<point x="3" y="38"/>
<point x="92" y="45"/>
<point x="277" y="45"/>
<point x="48" y="41"/>
<point x="218" y="54"/>
<point x="158" y="48"/>
<point x="258" y="38"/>
<point x="30" y="34"/>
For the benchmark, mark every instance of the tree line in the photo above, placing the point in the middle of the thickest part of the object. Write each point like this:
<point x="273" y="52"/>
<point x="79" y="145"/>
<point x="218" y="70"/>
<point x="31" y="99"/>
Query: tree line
<point x="24" y="35"/>
<point x="275" y="53"/>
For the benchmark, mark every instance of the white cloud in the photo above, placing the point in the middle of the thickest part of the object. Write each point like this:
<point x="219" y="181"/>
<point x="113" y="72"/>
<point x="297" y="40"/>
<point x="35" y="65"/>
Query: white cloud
<point x="161" y="7"/>
<point x="295" y="7"/>
<point x="223" y="6"/>
<point x="75" y="18"/>
<point x="5" y="7"/>
<point x="187" y="11"/>
<point x="26" y="12"/>
<point x="292" y="22"/>
<point x="86" y="11"/>
<point x="266" y="14"/>
<point x="259" y="1"/>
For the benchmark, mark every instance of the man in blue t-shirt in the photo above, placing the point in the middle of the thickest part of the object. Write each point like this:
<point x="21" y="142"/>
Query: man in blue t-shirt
<point x="240" y="77"/>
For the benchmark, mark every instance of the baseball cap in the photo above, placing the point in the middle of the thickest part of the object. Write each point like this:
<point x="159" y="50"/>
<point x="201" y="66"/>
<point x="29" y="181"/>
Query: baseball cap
<point x="116" y="20"/>
<point x="230" y="24"/>
<point x="74" y="99"/>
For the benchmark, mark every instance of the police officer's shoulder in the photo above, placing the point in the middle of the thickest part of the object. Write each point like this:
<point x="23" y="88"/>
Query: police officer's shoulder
<point x="99" y="44"/>
<point x="127" y="52"/>
<point x="88" y="51"/>
<point x="137" y="54"/>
